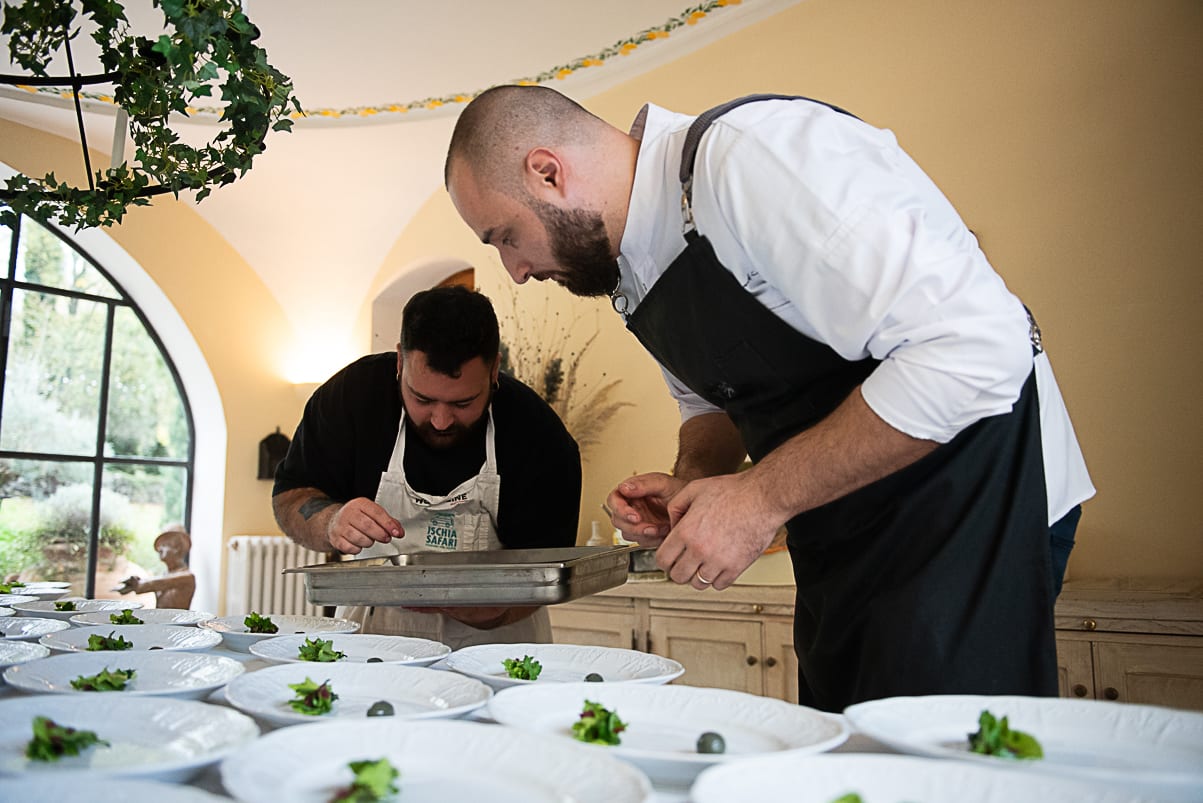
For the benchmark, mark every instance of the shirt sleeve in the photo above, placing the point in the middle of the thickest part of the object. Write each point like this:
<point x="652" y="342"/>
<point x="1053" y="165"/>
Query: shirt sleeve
<point x="842" y="235"/>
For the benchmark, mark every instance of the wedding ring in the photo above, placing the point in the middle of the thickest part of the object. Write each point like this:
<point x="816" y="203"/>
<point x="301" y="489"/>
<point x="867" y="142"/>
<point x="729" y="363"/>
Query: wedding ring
<point x="705" y="582"/>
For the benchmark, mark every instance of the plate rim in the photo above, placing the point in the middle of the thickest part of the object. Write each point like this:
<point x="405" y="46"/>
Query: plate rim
<point x="137" y="656"/>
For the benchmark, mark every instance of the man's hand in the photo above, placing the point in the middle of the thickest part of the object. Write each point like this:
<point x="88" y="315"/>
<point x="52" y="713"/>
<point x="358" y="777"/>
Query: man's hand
<point x="129" y="584"/>
<point x="483" y="617"/>
<point x="719" y="526"/>
<point x="639" y="507"/>
<point x="359" y="524"/>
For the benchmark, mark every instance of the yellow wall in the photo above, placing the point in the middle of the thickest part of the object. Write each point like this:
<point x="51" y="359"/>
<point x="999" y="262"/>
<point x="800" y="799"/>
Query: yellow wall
<point x="238" y="325"/>
<point x="1068" y="134"/>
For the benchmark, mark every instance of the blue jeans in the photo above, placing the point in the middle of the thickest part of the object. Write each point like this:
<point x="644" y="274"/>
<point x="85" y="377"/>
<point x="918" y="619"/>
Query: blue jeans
<point x="1061" y="542"/>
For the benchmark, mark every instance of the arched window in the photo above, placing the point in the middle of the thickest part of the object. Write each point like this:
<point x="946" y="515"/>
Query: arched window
<point x="97" y="442"/>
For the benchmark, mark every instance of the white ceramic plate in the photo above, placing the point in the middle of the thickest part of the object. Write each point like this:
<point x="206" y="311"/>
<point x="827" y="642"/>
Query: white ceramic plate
<point x="11" y="600"/>
<point x="25" y="628"/>
<point x="45" y="608"/>
<point x="358" y="647"/>
<point x="149" y="616"/>
<point x="6" y="611"/>
<point x="879" y="778"/>
<point x="438" y="760"/>
<point x="1136" y="747"/>
<point x="185" y="675"/>
<point x="144" y="637"/>
<point x="45" y="584"/>
<point x="562" y="663"/>
<point x="20" y="652"/>
<point x="42" y="592"/>
<point x="664" y="723"/>
<point x="237" y="637"/>
<point x="149" y="737"/>
<point x="414" y="692"/>
<point x="101" y="790"/>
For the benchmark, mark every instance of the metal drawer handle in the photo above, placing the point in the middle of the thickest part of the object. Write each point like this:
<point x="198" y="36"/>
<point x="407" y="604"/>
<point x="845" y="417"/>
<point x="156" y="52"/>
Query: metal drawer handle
<point x="770" y="661"/>
<point x="1079" y="690"/>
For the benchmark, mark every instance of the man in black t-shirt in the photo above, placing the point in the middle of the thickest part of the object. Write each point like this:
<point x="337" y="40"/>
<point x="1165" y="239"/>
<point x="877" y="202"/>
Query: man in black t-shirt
<point x="433" y="449"/>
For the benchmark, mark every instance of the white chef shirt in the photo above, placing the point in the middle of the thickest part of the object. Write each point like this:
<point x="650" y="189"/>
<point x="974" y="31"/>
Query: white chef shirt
<point x="827" y="222"/>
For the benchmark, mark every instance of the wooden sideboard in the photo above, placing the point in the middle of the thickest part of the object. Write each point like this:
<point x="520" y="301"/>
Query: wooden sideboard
<point x="1135" y="642"/>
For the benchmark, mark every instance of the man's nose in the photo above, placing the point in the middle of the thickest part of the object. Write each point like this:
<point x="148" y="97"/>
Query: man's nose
<point x="441" y="418"/>
<point x="519" y="270"/>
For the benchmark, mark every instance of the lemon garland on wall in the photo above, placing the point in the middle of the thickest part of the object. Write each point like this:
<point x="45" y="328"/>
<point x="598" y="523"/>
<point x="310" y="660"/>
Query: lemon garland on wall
<point x="624" y="47"/>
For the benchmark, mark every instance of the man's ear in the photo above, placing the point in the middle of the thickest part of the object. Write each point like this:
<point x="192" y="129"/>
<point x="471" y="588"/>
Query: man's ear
<point x="544" y="172"/>
<point x="400" y="360"/>
<point x="496" y="369"/>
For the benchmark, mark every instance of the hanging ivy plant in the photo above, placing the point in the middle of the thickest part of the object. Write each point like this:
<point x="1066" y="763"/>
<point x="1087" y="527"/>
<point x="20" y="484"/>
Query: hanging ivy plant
<point x="206" y="44"/>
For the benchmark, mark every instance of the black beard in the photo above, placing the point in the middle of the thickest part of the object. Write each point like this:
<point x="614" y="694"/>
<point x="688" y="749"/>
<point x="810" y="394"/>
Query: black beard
<point x="581" y="246"/>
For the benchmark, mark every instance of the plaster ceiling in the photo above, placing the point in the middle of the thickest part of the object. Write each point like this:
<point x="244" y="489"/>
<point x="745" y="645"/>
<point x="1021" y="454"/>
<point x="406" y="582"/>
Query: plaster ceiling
<point x="323" y="204"/>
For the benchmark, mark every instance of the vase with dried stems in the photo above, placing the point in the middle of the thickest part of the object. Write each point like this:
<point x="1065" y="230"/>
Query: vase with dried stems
<point x="545" y="350"/>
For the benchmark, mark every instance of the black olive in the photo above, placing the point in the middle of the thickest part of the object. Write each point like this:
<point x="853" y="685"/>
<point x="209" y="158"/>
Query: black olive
<point x="711" y="742"/>
<point x="593" y="677"/>
<point x="381" y="708"/>
<point x="156" y="648"/>
<point x="375" y="660"/>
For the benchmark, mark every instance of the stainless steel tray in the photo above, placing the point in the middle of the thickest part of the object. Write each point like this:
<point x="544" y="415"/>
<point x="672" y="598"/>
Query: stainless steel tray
<point x="493" y="577"/>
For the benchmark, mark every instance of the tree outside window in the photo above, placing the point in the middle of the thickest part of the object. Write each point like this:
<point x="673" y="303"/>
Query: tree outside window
<point x="96" y="436"/>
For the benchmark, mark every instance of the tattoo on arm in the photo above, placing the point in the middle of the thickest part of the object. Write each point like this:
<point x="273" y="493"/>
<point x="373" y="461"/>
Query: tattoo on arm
<point x="312" y="507"/>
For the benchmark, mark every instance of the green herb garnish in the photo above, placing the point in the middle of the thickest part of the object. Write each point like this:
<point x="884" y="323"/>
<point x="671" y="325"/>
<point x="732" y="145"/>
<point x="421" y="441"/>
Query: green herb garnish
<point x="995" y="738"/>
<point x="373" y="781"/>
<point x="526" y="669"/>
<point x="97" y="642"/>
<point x="598" y="725"/>
<point x="52" y="741"/>
<point x="260" y="624"/>
<point x="321" y="651"/>
<point x="64" y="605"/>
<point x="126" y="617"/>
<point x="312" y="699"/>
<point x="851" y="797"/>
<point x="7" y="588"/>
<point x="104" y="680"/>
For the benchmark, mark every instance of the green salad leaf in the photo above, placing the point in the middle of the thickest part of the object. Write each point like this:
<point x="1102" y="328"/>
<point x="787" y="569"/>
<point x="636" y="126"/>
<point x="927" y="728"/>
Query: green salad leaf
<point x="52" y="741"/>
<point x="126" y="617"/>
<point x="104" y="680"/>
<point x="97" y="642"/>
<point x="598" y="725"/>
<point x="260" y="624"/>
<point x="7" y="588"/>
<point x="994" y="737"/>
<point x="526" y="668"/>
<point x="64" y="605"/>
<point x="374" y="780"/>
<point x="312" y="699"/>
<point x="316" y="649"/>
<point x="851" y="797"/>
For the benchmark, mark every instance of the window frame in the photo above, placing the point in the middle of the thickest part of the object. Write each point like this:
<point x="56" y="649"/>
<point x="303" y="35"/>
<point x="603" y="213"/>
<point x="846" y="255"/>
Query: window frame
<point x="98" y="459"/>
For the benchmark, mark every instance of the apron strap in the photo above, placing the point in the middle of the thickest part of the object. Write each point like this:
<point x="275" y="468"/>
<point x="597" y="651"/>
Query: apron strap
<point x="693" y="139"/>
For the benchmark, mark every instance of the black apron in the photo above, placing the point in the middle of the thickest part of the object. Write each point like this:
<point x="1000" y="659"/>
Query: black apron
<point x="932" y="580"/>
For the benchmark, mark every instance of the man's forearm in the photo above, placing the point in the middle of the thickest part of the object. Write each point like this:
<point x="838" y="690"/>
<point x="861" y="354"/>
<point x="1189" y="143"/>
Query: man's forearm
<point x="708" y="445"/>
<point x="304" y="516"/>
<point x="848" y="450"/>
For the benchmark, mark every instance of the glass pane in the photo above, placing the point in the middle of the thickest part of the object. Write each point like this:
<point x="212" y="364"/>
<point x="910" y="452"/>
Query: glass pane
<point x="140" y="502"/>
<point x="45" y="520"/>
<point x="146" y="413"/>
<point x="42" y="258"/>
<point x="6" y="242"/>
<point x="52" y="383"/>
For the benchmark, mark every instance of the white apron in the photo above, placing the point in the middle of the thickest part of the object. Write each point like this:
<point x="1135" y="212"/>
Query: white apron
<point x="463" y="520"/>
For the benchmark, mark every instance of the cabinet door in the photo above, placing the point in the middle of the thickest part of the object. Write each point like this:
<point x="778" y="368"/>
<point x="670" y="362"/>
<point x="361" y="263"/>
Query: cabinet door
<point x="780" y="661"/>
<point x="601" y="628"/>
<point x="1155" y="670"/>
<point x="1075" y="666"/>
<point x="721" y="653"/>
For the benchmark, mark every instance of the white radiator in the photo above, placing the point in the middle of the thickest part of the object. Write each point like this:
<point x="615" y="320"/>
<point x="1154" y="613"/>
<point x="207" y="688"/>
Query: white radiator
<point x="255" y="579"/>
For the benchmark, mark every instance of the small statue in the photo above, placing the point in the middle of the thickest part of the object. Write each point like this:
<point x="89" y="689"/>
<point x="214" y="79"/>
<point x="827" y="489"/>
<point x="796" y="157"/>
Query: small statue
<point x="174" y="589"/>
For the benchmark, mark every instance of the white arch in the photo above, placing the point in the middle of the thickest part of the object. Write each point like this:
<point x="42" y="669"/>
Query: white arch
<point x="208" y="416"/>
<point x="387" y="305"/>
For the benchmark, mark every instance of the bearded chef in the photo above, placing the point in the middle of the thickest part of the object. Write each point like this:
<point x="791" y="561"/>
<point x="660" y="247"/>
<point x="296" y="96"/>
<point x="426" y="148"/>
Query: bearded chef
<point x="433" y="449"/>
